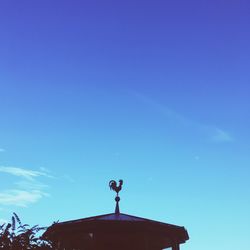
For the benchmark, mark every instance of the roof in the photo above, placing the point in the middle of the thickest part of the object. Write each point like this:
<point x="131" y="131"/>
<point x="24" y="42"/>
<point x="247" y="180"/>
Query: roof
<point x="115" y="217"/>
<point x="122" y="224"/>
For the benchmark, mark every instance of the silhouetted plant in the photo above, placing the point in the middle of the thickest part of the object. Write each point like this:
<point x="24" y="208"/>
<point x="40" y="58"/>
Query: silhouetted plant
<point x="18" y="236"/>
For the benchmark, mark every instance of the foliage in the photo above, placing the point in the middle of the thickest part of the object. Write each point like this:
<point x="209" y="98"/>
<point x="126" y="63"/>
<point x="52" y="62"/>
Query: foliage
<point x="19" y="236"/>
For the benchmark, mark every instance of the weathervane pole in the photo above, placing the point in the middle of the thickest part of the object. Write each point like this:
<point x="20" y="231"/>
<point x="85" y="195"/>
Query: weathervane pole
<point x="113" y="186"/>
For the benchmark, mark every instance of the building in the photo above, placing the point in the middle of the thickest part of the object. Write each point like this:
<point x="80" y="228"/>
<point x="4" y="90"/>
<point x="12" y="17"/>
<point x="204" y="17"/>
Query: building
<point x="116" y="231"/>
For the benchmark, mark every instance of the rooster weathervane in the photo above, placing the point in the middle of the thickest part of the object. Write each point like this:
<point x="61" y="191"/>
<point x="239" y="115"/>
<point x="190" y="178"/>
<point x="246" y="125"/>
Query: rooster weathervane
<point x="117" y="188"/>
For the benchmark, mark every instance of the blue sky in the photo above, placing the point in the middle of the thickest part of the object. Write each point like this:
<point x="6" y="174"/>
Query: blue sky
<point x="153" y="92"/>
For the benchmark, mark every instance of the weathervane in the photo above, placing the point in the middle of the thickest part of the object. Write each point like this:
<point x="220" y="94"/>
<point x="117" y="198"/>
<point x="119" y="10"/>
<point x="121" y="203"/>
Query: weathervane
<point x="113" y="186"/>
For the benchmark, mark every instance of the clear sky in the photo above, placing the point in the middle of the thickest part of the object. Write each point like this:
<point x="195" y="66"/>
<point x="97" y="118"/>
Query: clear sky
<point x="153" y="92"/>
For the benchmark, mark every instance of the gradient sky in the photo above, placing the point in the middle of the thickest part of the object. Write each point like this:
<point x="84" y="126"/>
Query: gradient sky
<point x="153" y="92"/>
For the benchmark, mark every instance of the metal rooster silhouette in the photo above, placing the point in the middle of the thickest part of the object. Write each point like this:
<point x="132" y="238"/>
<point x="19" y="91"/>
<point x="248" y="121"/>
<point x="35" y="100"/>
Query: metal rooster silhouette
<point x="113" y="186"/>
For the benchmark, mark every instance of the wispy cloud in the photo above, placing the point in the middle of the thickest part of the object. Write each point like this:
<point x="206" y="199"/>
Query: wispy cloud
<point x="25" y="173"/>
<point x="163" y="109"/>
<point x="221" y="136"/>
<point x="213" y="133"/>
<point x="20" y="197"/>
<point x="26" y="190"/>
<point x="2" y="150"/>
